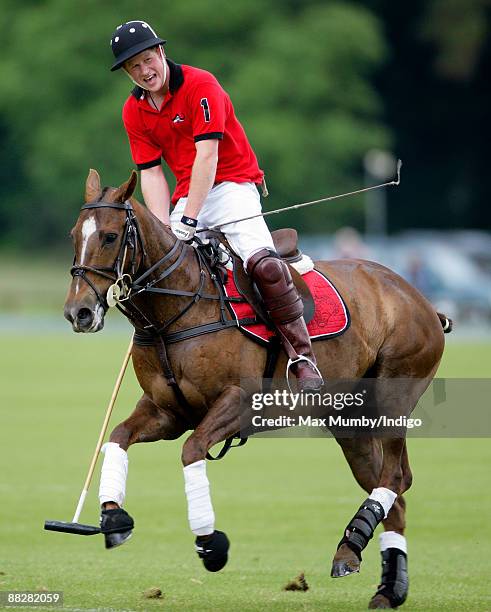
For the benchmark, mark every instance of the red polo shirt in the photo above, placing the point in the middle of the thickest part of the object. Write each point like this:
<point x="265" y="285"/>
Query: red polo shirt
<point x="195" y="108"/>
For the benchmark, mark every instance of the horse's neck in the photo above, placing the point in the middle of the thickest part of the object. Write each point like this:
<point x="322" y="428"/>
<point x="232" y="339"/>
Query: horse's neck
<point x="157" y="237"/>
<point x="158" y="240"/>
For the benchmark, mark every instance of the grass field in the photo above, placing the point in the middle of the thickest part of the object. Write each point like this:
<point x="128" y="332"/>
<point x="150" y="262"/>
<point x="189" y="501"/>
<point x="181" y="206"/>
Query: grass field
<point x="283" y="502"/>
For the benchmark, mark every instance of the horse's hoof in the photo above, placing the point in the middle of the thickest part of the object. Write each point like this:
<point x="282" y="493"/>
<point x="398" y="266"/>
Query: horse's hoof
<point x="213" y="550"/>
<point x="344" y="568"/>
<point x="117" y="526"/>
<point x="116" y="539"/>
<point x="345" y="562"/>
<point x="379" y="602"/>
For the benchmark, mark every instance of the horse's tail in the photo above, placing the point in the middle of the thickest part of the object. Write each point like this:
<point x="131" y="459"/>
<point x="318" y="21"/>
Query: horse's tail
<point x="447" y="323"/>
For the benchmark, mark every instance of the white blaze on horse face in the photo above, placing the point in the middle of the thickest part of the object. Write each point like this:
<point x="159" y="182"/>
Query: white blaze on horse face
<point x="89" y="226"/>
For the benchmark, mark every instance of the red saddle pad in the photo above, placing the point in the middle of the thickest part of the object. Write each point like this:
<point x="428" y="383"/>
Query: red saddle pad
<point x="331" y="316"/>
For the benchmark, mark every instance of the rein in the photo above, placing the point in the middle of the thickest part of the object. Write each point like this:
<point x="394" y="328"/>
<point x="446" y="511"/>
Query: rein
<point x="137" y="286"/>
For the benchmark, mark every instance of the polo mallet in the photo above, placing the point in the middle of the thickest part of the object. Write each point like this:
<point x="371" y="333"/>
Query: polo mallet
<point x="394" y="182"/>
<point x="75" y="526"/>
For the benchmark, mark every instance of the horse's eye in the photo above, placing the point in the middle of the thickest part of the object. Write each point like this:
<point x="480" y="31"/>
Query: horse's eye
<point x="110" y="238"/>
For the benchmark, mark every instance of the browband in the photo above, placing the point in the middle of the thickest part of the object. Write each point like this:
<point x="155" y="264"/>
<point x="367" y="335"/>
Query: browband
<point x="102" y="204"/>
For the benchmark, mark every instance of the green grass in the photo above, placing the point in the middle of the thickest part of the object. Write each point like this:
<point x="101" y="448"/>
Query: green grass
<point x="34" y="283"/>
<point x="283" y="502"/>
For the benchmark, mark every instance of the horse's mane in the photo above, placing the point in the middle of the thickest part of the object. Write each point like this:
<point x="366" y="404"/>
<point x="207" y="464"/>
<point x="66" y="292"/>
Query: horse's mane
<point x="138" y="205"/>
<point x="165" y="228"/>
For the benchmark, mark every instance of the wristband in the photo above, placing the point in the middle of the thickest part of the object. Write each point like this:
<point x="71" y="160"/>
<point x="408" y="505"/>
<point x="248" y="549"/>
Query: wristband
<point x="189" y="221"/>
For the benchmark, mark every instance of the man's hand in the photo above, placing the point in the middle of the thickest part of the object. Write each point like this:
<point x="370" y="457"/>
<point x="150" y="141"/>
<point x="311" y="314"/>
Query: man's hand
<point x="185" y="228"/>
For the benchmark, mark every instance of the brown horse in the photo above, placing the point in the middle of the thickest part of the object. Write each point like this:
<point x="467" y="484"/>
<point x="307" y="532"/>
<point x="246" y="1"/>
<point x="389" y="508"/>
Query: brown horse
<point x="394" y="333"/>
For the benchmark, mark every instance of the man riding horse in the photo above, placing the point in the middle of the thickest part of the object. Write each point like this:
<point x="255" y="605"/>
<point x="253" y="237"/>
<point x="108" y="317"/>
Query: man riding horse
<point x="182" y="114"/>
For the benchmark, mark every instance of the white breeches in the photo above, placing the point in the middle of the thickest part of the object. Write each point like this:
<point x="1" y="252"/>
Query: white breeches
<point x="228" y="201"/>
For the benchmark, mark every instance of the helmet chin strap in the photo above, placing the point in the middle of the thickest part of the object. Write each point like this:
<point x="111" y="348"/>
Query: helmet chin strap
<point x="164" y="64"/>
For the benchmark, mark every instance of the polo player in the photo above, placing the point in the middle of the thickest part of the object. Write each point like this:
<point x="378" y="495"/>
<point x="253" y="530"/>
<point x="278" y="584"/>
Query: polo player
<point x="183" y="115"/>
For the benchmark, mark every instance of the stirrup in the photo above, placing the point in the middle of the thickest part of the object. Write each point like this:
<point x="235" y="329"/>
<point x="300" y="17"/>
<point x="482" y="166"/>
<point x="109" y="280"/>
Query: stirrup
<point x="292" y="362"/>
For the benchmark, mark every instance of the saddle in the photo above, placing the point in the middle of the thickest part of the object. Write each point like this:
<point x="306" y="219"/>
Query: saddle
<point x="286" y="244"/>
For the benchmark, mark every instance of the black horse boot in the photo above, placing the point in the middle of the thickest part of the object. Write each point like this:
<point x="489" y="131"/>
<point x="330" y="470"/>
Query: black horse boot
<point x="117" y="526"/>
<point x="213" y="550"/>
<point x="395" y="582"/>
<point x="284" y="305"/>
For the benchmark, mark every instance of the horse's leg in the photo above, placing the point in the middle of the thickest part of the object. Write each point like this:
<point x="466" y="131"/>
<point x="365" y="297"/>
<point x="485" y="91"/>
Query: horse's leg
<point x="364" y="456"/>
<point x="394" y="584"/>
<point x="147" y="423"/>
<point x="360" y="529"/>
<point x="220" y="422"/>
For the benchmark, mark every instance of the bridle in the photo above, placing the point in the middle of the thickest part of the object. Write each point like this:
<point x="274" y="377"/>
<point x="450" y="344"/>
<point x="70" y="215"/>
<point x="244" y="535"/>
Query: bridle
<point x="131" y="241"/>
<point x="128" y="287"/>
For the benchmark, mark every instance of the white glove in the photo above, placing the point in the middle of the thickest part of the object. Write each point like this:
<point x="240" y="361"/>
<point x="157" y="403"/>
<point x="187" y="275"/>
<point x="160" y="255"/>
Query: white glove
<point x="185" y="228"/>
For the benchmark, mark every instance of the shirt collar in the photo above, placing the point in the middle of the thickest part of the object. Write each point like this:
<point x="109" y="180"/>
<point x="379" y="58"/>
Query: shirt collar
<point x="176" y="79"/>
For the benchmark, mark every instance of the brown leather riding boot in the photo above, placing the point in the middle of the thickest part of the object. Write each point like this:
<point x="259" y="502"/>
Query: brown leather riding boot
<point x="285" y="307"/>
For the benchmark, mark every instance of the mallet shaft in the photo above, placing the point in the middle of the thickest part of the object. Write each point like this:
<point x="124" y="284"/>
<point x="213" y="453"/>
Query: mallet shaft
<point x="80" y="505"/>
<point x="109" y="410"/>
<point x="395" y="182"/>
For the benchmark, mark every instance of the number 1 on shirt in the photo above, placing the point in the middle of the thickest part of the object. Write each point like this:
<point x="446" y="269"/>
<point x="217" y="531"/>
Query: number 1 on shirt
<point x="206" y="109"/>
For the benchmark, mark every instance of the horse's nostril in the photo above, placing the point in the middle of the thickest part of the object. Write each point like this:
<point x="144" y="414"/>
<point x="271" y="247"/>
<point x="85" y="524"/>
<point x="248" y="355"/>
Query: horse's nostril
<point x="68" y="316"/>
<point x="84" y="315"/>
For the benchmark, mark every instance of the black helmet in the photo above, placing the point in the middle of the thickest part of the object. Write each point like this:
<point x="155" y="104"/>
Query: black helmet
<point x="132" y="38"/>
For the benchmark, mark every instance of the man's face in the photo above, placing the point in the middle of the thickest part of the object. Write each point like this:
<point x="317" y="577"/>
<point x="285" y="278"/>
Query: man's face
<point x="147" y="69"/>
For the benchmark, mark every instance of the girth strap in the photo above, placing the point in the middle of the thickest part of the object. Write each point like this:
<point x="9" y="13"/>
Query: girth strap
<point x="169" y="375"/>
<point x="165" y="363"/>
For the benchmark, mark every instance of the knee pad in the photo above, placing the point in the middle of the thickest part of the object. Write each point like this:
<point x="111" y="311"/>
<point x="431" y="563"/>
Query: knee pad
<point x="275" y="284"/>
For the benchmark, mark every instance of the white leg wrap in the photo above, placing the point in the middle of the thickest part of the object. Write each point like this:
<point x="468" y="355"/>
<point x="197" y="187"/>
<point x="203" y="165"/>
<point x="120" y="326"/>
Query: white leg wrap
<point x="200" y="511"/>
<point x="113" y="474"/>
<point x="392" y="539"/>
<point x="385" y="497"/>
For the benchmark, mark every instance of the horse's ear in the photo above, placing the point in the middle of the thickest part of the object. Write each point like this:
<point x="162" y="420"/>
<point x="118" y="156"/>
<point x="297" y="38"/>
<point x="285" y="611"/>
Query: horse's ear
<point x="125" y="191"/>
<point x="92" y="186"/>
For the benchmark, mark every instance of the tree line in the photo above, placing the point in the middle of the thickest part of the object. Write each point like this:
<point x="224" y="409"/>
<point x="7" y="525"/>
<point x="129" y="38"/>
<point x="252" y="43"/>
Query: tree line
<point x="316" y="84"/>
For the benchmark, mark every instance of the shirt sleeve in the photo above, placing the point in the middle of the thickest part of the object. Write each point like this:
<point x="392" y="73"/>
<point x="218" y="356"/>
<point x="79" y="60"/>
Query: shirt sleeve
<point x="208" y="110"/>
<point x="144" y="153"/>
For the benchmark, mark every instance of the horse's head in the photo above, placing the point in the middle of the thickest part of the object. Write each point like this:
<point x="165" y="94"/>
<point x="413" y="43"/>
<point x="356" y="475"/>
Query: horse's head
<point x="106" y="242"/>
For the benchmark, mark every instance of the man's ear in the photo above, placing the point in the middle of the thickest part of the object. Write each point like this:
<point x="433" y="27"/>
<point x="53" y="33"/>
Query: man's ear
<point x="92" y="186"/>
